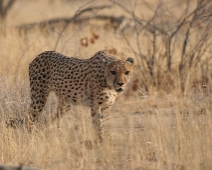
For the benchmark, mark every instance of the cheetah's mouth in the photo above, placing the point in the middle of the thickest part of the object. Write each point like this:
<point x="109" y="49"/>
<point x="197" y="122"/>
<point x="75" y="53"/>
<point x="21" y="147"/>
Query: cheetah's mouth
<point x="120" y="90"/>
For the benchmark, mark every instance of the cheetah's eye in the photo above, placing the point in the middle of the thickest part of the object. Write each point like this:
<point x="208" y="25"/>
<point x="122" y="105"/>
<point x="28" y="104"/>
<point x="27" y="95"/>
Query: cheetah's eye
<point x="113" y="72"/>
<point x="127" y="72"/>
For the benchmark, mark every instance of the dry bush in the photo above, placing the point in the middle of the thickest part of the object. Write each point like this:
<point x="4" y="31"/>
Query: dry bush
<point x="170" y="45"/>
<point x="162" y="122"/>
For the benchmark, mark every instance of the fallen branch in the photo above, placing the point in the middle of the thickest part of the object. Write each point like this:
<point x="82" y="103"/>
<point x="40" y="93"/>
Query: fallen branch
<point x="9" y="167"/>
<point x="69" y="20"/>
<point x="75" y="19"/>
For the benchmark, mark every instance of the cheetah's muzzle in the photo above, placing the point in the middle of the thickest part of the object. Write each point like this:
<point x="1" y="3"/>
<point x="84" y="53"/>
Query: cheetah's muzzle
<point x="120" y="90"/>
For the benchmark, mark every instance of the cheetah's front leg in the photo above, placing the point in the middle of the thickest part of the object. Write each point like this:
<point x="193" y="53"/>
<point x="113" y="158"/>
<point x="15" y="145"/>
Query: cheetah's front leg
<point x="97" y="120"/>
<point x="62" y="108"/>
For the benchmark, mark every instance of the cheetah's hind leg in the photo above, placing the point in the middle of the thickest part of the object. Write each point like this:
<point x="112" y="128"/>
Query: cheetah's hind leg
<point x="39" y="95"/>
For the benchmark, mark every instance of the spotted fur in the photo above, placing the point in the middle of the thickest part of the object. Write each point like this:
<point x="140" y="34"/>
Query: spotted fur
<point x="95" y="82"/>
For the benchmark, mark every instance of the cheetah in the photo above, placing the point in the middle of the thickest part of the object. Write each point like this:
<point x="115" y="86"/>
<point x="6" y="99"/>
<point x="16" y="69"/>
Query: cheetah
<point x="95" y="82"/>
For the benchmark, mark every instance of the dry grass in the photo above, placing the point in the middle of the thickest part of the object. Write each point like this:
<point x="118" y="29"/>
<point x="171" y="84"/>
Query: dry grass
<point x="146" y="131"/>
<point x="159" y="131"/>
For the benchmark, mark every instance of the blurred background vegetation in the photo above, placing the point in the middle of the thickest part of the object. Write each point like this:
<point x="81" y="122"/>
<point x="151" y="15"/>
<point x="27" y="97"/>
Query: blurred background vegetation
<point x="170" y="40"/>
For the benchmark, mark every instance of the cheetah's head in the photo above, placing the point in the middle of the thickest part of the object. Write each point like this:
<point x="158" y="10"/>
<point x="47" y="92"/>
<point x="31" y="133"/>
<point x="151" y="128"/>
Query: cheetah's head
<point x="118" y="72"/>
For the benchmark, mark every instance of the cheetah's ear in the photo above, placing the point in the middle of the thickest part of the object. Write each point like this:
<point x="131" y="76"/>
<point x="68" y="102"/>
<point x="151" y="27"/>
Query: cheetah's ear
<point x="106" y="63"/>
<point x="130" y="61"/>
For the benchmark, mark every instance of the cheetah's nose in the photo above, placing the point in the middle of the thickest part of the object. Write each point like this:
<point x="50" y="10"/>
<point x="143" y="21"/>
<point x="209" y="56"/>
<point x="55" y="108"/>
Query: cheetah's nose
<point x="120" y="84"/>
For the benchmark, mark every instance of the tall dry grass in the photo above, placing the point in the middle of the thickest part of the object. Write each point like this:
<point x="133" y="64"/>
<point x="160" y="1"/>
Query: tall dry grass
<point x="157" y="131"/>
<point x="161" y="128"/>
